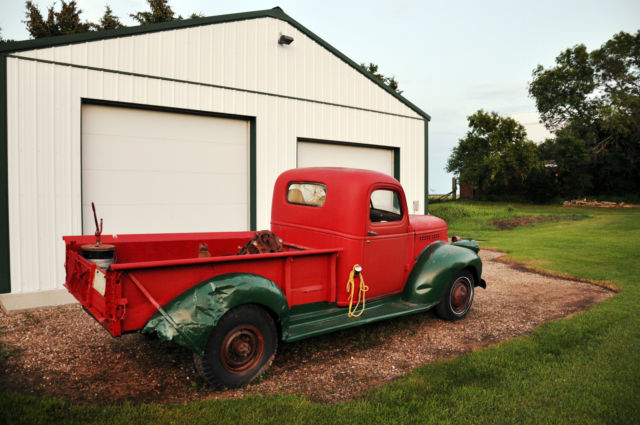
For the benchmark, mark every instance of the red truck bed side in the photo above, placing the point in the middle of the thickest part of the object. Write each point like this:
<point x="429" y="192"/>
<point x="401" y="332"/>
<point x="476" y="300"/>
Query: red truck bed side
<point x="151" y="270"/>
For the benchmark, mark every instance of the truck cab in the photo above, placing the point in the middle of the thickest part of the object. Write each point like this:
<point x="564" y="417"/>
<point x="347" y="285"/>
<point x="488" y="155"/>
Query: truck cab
<point x="363" y="211"/>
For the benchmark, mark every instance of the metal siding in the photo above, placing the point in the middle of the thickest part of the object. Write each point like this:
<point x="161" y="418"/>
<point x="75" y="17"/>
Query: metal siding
<point x="44" y="118"/>
<point x="237" y="55"/>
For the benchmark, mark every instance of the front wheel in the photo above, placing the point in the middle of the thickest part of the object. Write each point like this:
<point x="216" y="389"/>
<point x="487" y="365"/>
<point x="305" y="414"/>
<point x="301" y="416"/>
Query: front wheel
<point x="240" y="348"/>
<point x="457" y="298"/>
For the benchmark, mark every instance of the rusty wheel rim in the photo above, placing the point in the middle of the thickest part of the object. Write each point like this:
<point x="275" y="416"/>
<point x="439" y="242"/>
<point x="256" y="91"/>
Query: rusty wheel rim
<point x="241" y="349"/>
<point x="461" y="295"/>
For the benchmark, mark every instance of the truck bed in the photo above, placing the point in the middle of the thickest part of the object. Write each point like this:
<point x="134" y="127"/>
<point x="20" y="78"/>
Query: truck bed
<point x="150" y="270"/>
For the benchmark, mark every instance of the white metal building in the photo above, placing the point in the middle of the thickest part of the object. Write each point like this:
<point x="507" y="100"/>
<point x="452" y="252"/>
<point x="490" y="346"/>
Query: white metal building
<point x="178" y="127"/>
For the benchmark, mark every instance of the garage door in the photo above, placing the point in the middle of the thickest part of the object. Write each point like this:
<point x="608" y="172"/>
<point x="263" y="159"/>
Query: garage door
<point x="155" y="172"/>
<point x="318" y="154"/>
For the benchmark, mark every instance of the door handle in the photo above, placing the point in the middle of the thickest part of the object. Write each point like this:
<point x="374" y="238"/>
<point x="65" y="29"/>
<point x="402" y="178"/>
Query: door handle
<point x="372" y="233"/>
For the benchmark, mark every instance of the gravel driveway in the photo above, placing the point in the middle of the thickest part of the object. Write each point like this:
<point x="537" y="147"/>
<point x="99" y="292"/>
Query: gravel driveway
<point x="63" y="352"/>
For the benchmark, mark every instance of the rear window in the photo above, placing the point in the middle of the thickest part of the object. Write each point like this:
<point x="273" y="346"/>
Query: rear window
<point x="311" y="194"/>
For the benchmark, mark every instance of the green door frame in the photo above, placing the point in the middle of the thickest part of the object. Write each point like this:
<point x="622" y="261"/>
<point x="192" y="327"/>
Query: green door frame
<point x="5" y="258"/>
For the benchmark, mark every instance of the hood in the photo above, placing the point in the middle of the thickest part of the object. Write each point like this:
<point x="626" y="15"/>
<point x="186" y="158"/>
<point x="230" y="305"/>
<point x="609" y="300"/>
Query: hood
<point x="427" y="223"/>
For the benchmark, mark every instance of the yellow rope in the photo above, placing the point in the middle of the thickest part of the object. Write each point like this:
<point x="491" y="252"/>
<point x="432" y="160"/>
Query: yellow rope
<point x="351" y="286"/>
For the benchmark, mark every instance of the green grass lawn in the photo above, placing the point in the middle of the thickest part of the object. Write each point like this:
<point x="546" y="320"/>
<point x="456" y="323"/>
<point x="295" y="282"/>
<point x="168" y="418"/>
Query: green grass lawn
<point x="580" y="370"/>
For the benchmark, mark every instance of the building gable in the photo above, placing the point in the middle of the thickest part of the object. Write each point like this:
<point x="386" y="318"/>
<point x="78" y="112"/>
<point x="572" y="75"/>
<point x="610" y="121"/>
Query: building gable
<point x="264" y="66"/>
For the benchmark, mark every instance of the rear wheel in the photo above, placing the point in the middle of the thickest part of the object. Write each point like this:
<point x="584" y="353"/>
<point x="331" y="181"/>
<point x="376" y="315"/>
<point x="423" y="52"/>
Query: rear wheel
<point x="240" y="348"/>
<point x="457" y="298"/>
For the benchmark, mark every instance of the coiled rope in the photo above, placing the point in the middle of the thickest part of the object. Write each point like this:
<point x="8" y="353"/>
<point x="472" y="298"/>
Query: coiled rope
<point x="351" y="286"/>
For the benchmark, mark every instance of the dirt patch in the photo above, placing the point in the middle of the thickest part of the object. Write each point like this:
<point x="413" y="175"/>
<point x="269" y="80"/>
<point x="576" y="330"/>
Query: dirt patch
<point x="512" y="223"/>
<point x="63" y="352"/>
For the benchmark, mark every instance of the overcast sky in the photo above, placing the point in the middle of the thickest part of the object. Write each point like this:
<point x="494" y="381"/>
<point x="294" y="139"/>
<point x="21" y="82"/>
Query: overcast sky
<point x="450" y="58"/>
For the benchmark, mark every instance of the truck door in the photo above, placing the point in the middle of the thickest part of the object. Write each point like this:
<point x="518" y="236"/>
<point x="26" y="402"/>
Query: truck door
<point x="386" y="244"/>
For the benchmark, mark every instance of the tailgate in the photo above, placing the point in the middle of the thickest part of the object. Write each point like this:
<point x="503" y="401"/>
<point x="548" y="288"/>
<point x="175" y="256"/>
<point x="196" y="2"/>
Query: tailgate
<point x="98" y="291"/>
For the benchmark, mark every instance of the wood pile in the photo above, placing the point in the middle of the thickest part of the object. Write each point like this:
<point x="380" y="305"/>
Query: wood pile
<point x="601" y="204"/>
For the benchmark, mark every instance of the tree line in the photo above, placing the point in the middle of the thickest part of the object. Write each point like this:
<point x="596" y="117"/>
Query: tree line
<point x="590" y="101"/>
<point x="67" y="20"/>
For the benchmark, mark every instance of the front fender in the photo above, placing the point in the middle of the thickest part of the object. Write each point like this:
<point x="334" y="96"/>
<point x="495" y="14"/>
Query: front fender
<point x="436" y="267"/>
<point x="193" y="314"/>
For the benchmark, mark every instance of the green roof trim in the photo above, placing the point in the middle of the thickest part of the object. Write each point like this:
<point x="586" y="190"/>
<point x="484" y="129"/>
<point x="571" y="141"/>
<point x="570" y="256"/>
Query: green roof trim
<point x="276" y="13"/>
<point x="61" y="40"/>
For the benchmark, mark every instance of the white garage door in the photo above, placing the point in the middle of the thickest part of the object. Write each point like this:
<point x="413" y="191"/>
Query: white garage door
<point x="314" y="154"/>
<point x="155" y="172"/>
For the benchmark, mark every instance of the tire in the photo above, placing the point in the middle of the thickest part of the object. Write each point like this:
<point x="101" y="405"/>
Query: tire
<point x="457" y="298"/>
<point x="239" y="349"/>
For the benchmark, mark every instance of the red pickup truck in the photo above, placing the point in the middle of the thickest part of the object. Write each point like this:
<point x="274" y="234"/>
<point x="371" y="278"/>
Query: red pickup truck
<point x="349" y="254"/>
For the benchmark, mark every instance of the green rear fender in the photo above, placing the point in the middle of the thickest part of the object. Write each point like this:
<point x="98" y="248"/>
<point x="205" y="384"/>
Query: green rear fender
<point x="193" y="314"/>
<point x="436" y="267"/>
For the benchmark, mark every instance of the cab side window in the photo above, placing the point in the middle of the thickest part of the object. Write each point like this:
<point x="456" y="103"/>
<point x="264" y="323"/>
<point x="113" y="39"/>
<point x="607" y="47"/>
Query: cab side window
<point x="384" y="206"/>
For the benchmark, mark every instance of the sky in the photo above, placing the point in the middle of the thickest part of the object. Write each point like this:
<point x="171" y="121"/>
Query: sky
<point x="450" y="58"/>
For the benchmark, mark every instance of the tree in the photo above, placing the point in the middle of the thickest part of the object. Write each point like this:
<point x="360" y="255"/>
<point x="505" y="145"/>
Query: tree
<point x="571" y="175"/>
<point x="495" y="155"/>
<point x="595" y="97"/>
<point x="372" y="68"/>
<point x="66" y="21"/>
<point x="562" y="93"/>
<point x="108" y="21"/>
<point x="4" y="40"/>
<point x="160" y="12"/>
<point x="587" y="87"/>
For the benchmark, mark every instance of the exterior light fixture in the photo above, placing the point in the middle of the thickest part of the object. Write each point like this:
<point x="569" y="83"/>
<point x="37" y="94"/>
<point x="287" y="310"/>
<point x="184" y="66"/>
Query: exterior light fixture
<point x="285" y="39"/>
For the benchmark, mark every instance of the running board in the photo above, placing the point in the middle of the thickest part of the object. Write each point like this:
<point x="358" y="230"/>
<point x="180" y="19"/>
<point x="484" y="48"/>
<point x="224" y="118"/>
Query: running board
<point x="321" y="318"/>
